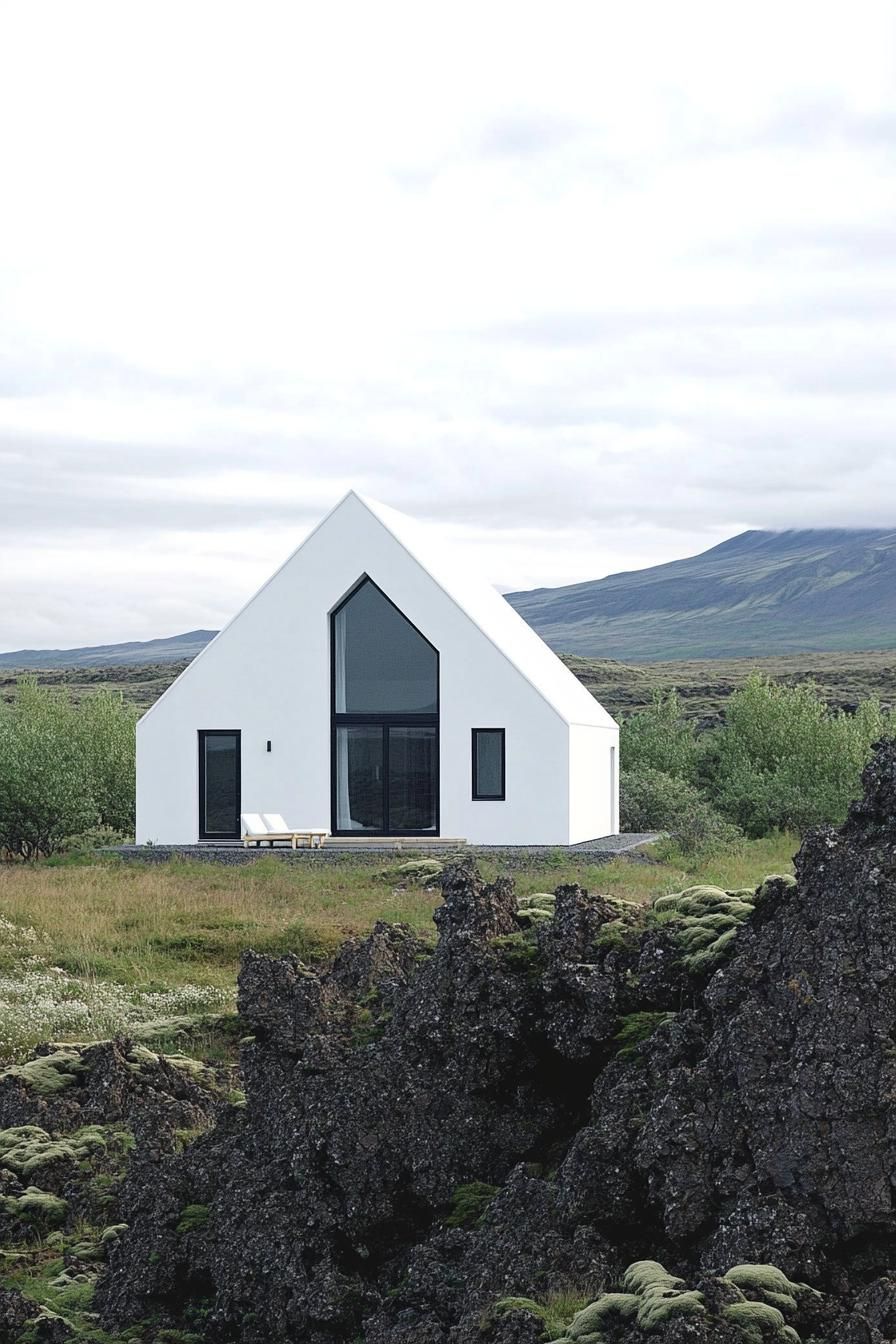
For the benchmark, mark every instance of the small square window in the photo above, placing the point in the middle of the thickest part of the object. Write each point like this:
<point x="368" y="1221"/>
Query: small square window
<point x="488" y="765"/>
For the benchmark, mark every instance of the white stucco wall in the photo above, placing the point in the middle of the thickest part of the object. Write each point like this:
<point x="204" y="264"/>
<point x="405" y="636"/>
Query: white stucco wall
<point x="593" y="781"/>
<point x="268" y="675"/>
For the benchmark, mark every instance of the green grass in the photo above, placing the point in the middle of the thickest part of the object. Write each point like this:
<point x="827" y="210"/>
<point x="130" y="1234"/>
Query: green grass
<point x="666" y="870"/>
<point x="158" y="925"/>
<point x="87" y="949"/>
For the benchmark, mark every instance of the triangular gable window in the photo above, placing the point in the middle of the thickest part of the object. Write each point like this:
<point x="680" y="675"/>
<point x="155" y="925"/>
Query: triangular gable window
<point x="385" y="755"/>
<point x="382" y="664"/>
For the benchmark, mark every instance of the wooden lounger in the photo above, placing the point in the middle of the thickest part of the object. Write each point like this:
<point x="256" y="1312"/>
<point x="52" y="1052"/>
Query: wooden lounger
<point x="270" y="828"/>
<point x="313" y="836"/>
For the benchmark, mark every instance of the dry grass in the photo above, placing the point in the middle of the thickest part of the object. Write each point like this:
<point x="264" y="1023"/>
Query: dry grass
<point x="162" y="925"/>
<point x="92" y="948"/>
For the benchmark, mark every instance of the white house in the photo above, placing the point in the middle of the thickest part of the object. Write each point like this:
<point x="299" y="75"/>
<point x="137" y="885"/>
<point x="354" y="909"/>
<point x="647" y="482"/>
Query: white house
<point x="376" y="686"/>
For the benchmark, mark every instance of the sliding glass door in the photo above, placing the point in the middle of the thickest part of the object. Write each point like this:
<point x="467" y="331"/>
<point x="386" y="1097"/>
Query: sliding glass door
<point x="219" y="785"/>
<point x="412" y="779"/>
<point x="360" y="774"/>
<point x="386" y="778"/>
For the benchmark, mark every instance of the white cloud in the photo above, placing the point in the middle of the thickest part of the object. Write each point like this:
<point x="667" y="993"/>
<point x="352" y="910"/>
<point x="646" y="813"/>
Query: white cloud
<point x="592" y="286"/>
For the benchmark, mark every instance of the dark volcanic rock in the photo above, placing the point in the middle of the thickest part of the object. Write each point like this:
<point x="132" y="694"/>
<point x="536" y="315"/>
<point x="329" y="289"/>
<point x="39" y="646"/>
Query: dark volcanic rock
<point x="15" y="1311"/>
<point x="755" y="1123"/>
<point x="352" y="1144"/>
<point x="106" y="1085"/>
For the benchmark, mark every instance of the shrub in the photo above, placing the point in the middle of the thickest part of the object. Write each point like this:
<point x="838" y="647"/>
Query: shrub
<point x="651" y="800"/>
<point x="106" y="725"/>
<point x="44" y="792"/>
<point x="658" y="738"/>
<point x="784" y="761"/>
<point x="64" y="769"/>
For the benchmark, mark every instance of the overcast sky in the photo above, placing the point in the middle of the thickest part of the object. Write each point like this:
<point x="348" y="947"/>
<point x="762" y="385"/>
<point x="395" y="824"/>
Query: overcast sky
<point x="590" y="286"/>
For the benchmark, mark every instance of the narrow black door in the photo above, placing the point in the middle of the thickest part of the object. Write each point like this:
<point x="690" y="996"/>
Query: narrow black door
<point x="219" y="784"/>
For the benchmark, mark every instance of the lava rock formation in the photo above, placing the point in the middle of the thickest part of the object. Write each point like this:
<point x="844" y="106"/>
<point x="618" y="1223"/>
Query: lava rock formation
<point x="449" y="1145"/>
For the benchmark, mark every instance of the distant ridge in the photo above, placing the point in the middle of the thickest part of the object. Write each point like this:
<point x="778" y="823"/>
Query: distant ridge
<point x="805" y="590"/>
<point x="173" y="650"/>
<point x="759" y="593"/>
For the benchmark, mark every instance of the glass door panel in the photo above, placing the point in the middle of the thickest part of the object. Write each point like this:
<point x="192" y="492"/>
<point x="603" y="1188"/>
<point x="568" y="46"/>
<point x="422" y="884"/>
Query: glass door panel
<point x="359" y="778"/>
<point x="413" y="780"/>
<point x="219" y="785"/>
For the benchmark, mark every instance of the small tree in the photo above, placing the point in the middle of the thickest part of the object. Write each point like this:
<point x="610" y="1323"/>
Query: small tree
<point x="107" y="724"/>
<point x="785" y="761"/>
<point x="651" y="800"/>
<point x="64" y="769"/>
<point x="43" y="792"/>
<point x="658" y="738"/>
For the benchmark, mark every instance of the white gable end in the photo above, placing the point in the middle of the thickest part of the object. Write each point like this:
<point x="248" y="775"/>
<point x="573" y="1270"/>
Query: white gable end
<point x="267" y="678"/>
<point x="497" y="619"/>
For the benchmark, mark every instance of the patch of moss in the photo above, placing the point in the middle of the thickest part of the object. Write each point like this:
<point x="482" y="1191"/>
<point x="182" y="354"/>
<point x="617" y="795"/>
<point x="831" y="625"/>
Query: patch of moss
<point x="617" y="935"/>
<point x="517" y="952"/>
<point x="469" y="1204"/>
<point x="48" y="1074"/>
<point x="508" y="1304"/>
<point x="140" y="1060"/>
<point x="756" y="1321"/>
<point x="423" y="872"/>
<point x="62" y="1293"/>
<point x="771" y="889"/>
<point x="770" y="1284"/>
<point x="535" y="909"/>
<point x="192" y="1218"/>
<point x="651" y="1297"/>
<point x="609" y="1307"/>
<point x="636" y="1028"/>
<point x="539" y="900"/>
<point x="36" y="1206"/>
<point x="26" y="1149"/>
<point x="705" y="922"/>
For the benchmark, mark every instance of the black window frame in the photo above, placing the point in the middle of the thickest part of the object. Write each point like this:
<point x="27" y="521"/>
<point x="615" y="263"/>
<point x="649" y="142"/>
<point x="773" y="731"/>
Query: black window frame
<point x="385" y="720"/>
<point x="235" y="733"/>
<point x="489" y="797"/>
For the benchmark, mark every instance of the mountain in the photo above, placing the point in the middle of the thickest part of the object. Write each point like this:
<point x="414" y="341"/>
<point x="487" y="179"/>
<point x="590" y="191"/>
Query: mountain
<point x="174" y="650"/>
<point x="757" y="593"/>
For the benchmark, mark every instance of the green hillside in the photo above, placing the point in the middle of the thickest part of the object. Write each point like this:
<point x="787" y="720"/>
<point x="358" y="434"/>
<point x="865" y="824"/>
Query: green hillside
<point x="756" y="594"/>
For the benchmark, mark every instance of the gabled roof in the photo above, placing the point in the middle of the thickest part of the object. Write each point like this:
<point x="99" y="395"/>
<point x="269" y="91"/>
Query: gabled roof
<point x="493" y="615"/>
<point x="477" y="599"/>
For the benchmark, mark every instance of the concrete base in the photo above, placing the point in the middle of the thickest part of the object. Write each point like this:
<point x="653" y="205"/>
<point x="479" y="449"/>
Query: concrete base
<point x="233" y="853"/>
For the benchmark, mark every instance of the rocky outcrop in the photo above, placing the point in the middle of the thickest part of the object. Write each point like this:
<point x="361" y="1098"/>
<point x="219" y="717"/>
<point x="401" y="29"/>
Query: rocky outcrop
<point x="484" y="1141"/>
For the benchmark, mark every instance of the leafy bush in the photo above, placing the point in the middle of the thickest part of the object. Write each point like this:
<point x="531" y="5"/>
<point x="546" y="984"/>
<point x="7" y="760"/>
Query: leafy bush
<point x="784" y="761"/>
<point x="653" y="800"/>
<point x="781" y="761"/>
<point x="659" y="739"/>
<point x="64" y="769"/>
<point x="106" y="725"/>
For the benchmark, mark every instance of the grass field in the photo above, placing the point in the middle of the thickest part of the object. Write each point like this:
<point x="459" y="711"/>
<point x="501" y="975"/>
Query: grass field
<point x="88" y="949"/>
<point x="623" y="688"/>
